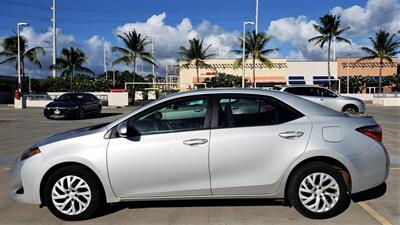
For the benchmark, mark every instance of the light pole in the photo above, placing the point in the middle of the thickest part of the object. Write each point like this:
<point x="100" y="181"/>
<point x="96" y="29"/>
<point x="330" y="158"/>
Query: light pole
<point x="243" y="51"/>
<point x="348" y="72"/>
<point x="19" y="55"/>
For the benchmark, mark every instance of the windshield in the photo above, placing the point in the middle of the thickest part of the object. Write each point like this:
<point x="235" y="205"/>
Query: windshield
<point x="70" y="98"/>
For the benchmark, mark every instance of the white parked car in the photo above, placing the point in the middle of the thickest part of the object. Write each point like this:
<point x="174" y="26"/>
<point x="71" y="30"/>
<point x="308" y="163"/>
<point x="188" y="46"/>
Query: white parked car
<point x="211" y="144"/>
<point x="328" y="98"/>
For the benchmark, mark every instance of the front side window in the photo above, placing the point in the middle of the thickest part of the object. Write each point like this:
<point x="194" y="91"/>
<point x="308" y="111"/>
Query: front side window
<point x="182" y="115"/>
<point x="253" y="111"/>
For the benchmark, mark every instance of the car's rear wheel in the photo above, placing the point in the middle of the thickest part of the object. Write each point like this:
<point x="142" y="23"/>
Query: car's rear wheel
<point x="73" y="193"/>
<point x="350" y="109"/>
<point x="98" y="112"/>
<point x="318" y="191"/>
<point x="81" y="114"/>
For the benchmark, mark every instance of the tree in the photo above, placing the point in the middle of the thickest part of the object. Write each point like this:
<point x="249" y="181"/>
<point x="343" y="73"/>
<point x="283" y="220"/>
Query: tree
<point x="224" y="80"/>
<point x="255" y="46"/>
<point x="10" y="50"/>
<point x="384" y="47"/>
<point x="195" y="53"/>
<point x="70" y="62"/>
<point x="329" y="31"/>
<point x="135" y="47"/>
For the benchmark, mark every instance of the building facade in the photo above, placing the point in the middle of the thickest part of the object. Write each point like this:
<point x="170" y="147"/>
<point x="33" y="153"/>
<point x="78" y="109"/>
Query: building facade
<point x="284" y="72"/>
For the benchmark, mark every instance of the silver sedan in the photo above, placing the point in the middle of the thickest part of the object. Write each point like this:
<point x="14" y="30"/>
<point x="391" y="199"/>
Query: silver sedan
<point x="328" y="98"/>
<point x="211" y="144"/>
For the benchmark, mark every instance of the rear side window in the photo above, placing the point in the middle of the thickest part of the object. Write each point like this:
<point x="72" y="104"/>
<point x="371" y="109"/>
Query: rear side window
<point x="253" y="111"/>
<point x="299" y="91"/>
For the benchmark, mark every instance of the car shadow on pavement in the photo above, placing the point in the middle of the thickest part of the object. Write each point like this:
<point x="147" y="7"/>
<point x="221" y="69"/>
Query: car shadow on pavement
<point x="373" y="193"/>
<point x="109" y="209"/>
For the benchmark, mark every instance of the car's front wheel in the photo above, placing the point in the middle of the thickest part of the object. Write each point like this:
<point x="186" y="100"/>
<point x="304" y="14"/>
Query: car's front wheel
<point x="73" y="193"/>
<point x="350" y="109"/>
<point x="318" y="191"/>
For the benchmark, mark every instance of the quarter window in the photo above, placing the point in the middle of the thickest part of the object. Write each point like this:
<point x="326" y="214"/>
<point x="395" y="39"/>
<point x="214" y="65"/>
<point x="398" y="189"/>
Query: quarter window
<point x="177" y="116"/>
<point x="253" y="111"/>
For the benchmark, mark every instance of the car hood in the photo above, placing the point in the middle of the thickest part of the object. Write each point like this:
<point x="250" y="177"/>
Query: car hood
<point x="350" y="98"/>
<point x="73" y="134"/>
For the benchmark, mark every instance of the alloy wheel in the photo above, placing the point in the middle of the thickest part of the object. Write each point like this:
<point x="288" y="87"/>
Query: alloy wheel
<point x="319" y="192"/>
<point x="71" y="195"/>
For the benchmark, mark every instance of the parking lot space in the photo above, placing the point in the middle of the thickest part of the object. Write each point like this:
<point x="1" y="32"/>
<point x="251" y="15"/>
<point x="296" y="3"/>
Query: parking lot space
<point x="19" y="129"/>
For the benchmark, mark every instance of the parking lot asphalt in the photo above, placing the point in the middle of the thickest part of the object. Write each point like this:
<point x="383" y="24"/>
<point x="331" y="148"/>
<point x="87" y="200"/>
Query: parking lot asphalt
<point x="19" y="129"/>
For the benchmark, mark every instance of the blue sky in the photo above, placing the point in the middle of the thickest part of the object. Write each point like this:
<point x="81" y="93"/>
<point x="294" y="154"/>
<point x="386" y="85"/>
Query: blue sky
<point x="89" y="24"/>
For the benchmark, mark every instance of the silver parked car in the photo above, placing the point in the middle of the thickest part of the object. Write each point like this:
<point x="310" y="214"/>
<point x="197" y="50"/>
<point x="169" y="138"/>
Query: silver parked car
<point x="211" y="144"/>
<point x="328" y="98"/>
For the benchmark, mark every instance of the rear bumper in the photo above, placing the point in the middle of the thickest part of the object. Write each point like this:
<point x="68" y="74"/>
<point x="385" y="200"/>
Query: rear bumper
<point x="370" y="168"/>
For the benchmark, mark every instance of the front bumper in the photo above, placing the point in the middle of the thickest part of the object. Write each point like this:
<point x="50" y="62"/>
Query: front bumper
<point x="60" y="112"/>
<point x="25" y="180"/>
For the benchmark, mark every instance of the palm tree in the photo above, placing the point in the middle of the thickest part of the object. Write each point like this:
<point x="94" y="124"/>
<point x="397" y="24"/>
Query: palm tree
<point x="384" y="48"/>
<point x="195" y="53"/>
<point x="329" y="31"/>
<point x="135" y="47"/>
<point x="255" y="46"/>
<point x="70" y="62"/>
<point x="10" y="50"/>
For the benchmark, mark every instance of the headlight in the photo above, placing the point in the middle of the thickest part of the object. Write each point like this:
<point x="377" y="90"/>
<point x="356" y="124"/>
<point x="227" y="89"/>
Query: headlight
<point x="30" y="152"/>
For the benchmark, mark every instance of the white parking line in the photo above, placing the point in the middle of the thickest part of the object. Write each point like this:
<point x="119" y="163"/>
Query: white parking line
<point x="6" y="169"/>
<point x="382" y="220"/>
<point x="395" y="168"/>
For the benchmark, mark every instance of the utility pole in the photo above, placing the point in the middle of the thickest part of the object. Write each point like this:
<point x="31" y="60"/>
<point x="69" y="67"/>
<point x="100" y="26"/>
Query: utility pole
<point x="348" y="73"/>
<point x="166" y="72"/>
<point x="54" y="38"/>
<point x="256" y="17"/>
<point x="153" y="72"/>
<point x="105" y="59"/>
<point x="243" y="51"/>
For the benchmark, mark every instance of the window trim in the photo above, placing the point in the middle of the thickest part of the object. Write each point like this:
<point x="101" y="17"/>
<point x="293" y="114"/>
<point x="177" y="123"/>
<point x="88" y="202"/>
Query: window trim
<point x="215" y="115"/>
<point x="207" y="119"/>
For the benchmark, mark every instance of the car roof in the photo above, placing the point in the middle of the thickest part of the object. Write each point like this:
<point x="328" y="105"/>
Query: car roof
<point x="304" y="106"/>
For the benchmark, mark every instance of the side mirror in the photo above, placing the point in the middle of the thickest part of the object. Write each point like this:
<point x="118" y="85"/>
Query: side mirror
<point x="122" y="129"/>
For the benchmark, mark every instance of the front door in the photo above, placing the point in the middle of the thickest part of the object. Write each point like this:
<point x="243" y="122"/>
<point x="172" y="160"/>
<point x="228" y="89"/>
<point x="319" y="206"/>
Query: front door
<point x="255" y="140"/>
<point x="169" y="157"/>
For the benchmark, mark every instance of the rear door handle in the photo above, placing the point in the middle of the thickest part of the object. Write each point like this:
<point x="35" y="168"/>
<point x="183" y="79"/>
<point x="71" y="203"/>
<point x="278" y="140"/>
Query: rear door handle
<point x="291" y="134"/>
<point x="195" y="141"/>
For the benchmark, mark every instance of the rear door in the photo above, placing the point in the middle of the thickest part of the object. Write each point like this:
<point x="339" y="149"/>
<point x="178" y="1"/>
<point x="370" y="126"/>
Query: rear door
<point x="253" y="141"/>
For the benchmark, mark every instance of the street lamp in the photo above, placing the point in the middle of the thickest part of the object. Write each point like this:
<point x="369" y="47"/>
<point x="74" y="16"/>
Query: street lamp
<point x="19" y="55"/>
<point x="243" y="49"/>
<point x="348" y="72"/>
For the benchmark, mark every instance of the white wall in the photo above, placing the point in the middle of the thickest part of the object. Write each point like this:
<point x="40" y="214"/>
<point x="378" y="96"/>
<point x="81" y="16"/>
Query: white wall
<point x="310" y="69"/>
<point x="108" y="98"/>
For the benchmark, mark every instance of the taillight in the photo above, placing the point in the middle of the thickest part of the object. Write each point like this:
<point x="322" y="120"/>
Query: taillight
<point x="374" y="132"/>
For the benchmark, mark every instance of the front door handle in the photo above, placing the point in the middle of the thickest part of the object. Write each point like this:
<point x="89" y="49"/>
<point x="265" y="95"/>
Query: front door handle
<point x="195" y="141"/>
<point x="291" y="134"/>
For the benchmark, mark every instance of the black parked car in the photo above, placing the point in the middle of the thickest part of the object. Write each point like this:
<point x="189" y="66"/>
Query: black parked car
<point x="73" y="105"/>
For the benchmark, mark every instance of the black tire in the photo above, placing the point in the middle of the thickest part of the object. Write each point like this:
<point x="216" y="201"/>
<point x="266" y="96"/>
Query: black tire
<point x="350" y="109"/>
<point x="98" y="112"/>
<point x="342" y="203"/>
<point x="96" y="201"/>
<point x="81" y="114"/>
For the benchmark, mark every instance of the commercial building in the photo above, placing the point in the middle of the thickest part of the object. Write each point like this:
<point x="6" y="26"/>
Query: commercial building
<point x="284" y="72"/>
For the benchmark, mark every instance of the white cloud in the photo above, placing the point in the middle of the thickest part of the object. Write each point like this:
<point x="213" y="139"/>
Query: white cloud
<point x="39" y="39"/>
<point x="376" y="15"/>
<point x="167" y="39"/>
<point x="364" y="22"/>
